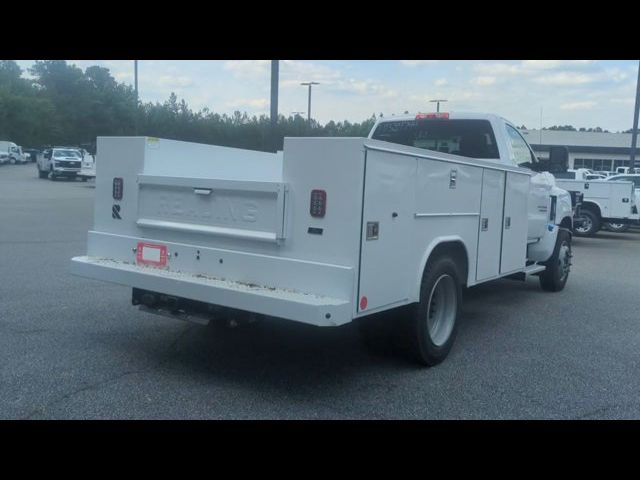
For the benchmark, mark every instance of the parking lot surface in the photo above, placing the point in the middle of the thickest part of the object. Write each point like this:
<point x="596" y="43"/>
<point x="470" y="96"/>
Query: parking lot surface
<point x="76" y="348"/>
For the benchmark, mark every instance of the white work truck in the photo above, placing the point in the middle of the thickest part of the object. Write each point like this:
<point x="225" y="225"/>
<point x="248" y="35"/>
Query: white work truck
<point x="609" y="203"/>
<point x="384" y="230"/>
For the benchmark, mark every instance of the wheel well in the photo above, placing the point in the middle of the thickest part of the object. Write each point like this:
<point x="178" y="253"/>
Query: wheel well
<point x="458" y="252"/>
<point x="567" y="223"/>
<point x="592" y="207"/>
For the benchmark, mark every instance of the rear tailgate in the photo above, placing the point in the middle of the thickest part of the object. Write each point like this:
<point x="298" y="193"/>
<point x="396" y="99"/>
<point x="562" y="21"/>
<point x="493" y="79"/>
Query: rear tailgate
<point x="225" y="208"/>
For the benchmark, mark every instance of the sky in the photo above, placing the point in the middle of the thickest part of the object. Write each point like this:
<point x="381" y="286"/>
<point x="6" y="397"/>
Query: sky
<point x="582" y="93"/>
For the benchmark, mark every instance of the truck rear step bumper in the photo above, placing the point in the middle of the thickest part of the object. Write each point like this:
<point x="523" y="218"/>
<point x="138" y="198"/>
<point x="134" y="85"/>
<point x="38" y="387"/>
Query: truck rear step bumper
<point x="277" y="302"/>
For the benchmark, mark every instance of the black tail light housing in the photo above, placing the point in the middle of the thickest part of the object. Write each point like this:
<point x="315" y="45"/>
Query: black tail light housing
<point x="118" y="188"/>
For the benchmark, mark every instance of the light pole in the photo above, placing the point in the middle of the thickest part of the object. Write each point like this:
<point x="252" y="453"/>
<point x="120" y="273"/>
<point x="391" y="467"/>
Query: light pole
<point x="634" y="132"/>
<point x="310" y="84"/>
<point x="275" y="73"/>
<point x="438" y="102"/>
<point x="135" y="77"/>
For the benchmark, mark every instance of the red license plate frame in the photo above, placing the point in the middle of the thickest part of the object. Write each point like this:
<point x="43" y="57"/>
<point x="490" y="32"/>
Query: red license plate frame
<point x="151" y="255"/>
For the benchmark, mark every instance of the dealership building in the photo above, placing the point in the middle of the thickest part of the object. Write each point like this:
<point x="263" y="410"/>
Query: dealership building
<point x="595" y="150"/>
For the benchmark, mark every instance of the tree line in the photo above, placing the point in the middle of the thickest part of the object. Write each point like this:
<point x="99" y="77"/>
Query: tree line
<point x="60" y="104"/>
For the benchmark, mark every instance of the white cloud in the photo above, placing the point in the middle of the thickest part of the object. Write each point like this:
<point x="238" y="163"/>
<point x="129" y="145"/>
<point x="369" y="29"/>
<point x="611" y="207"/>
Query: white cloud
<point x="578" y="105"/>
<point x="172" y="81"/>
<point x="417" y="63"/>
<point x="484" y="81"/>
<point x="566" y="79"/>
<point x="254" y="103"/>
<point x="248" y="68"/>
<point x="441" y="82"/>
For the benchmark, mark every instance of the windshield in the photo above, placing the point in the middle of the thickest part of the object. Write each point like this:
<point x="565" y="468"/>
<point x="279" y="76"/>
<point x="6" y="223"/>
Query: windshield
<point x="66" y="153"/>
<point x="469" y="138"/>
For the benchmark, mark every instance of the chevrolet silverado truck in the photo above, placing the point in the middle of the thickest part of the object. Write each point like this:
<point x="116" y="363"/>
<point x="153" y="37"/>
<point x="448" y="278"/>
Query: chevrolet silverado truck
<point x="384" y="231"/>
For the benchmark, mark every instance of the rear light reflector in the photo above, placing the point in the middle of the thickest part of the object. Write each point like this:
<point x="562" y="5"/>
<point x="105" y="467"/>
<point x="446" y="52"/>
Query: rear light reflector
<point x="118" y="185"/>
<point x="318" y="207"/>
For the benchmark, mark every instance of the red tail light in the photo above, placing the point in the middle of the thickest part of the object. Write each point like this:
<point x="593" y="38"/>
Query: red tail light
<point x="318" y="206"/>
<point x="118" y="185"/>
<point x="439" y="115"/>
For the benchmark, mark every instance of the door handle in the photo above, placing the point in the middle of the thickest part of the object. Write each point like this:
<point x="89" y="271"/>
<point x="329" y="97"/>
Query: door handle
<point x="202" y="191"/>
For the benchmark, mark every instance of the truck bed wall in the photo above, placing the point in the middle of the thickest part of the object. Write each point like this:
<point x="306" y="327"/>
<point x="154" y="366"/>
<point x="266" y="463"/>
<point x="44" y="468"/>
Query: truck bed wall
<point x="157" y="172"/>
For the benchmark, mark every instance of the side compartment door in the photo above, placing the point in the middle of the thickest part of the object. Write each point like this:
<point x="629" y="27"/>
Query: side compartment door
<point x="490" y="225"/>
<point x="515" y="223"/>
<point x="386" y="229"/>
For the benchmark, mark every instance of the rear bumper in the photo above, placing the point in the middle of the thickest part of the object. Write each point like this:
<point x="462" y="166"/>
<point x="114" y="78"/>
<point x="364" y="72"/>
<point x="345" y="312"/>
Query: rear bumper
<point x="277" y="302"/>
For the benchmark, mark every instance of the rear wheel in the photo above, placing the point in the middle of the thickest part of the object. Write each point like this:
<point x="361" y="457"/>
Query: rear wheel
<point x="590" y="224"/>
<point x="428" y="332"/>
<point x="617" y="227"/>
<point x="555" y="276"/>
<point x="42" y="174"/>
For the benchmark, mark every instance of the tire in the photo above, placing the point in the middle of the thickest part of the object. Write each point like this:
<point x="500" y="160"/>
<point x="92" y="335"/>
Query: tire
<point x="52" y="176"/>
<point x="555" y="277"/>
<point x="617" y="227"/>
<point x="427" y="333"/>
<point x="591" y="226"/>
<point x="42" y="174"/>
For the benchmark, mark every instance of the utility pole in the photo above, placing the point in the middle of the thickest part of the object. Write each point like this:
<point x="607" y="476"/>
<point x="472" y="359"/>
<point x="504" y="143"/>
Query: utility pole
<point x="310" y="84"/>
<point x="438" y="102"/>
<point x="135" y="77"/>
<point x="634" y="132"/>
<point x="136" y="119"/>
<point x="275" y="76"/>
<point x="275" y="73"/>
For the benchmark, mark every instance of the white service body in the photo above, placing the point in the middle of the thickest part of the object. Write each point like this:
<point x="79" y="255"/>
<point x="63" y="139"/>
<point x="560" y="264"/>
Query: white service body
<point x="233" y="227"/>
<point x="611" y="200"/>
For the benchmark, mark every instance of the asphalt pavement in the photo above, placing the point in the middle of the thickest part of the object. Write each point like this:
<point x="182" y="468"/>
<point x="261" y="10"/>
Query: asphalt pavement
<point x="76" y="348"/>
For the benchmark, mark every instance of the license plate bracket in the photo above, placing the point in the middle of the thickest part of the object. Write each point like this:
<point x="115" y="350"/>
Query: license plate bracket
<point x="151" y="254"/>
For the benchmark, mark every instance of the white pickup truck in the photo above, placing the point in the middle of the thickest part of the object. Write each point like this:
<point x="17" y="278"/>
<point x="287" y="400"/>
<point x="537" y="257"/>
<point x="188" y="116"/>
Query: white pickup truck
<point x="384" y="230"/>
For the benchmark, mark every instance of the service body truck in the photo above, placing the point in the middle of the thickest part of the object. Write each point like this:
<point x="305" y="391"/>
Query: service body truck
<point x="11" y="153"/>
<point x="330" y="230"/>
<point x="88" y="168"/>
<point x="609" y="203"/>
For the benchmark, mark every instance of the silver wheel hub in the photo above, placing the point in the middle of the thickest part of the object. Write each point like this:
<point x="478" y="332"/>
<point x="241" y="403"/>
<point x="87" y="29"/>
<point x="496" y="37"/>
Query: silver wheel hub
<point x="564" y="260"/>
<point x="441" y="309"/>
<point x="587" y="224"/>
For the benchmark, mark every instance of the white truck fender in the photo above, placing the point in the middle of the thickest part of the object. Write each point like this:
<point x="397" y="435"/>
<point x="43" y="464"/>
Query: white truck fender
<point x="425" y="258"/>
<point x="563" y="207"/>
<point x="542" y="250"/>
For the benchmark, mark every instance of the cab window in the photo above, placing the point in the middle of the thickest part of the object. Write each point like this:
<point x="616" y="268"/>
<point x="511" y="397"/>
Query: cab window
<point x="469" y="138"/>
<point x="521" y="155"/>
